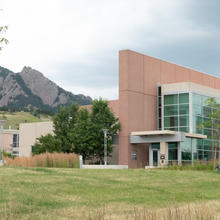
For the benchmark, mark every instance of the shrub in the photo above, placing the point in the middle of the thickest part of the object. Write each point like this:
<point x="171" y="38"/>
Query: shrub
<point x="196" y="166"/>
<point x="45" y="160"/>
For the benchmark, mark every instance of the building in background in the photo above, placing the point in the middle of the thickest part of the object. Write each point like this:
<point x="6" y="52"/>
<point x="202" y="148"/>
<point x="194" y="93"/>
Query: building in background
<point x="29" y="132"/>
<point x="10" y="141"/>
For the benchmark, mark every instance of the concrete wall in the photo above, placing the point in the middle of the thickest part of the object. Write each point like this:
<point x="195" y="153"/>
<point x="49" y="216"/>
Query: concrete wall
<point x="139" y="76"/>
<point x="190" y="87"/>
<point x="29" y="132"/>
<point x="7" y="139"/>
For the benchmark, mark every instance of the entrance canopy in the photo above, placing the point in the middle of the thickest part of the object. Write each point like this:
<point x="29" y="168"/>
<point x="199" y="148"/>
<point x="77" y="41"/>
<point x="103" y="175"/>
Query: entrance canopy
<point x="140" y="137"/>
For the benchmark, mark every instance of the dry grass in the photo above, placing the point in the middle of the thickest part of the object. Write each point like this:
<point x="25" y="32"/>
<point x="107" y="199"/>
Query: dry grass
<point x="62" y="193"/>
<point x="45" y="160"/>
<point x="201" y="211"/>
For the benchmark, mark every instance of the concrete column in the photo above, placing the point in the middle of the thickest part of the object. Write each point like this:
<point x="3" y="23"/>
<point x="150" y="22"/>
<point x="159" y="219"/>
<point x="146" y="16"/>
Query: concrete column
<point x="150" y="156"/>
<point x="164" y="152"/>
<point x="179" y="154"/>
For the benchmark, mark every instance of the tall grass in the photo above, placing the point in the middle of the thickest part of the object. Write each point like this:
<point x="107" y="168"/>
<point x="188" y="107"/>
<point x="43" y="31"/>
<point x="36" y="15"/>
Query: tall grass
<point x="62" y="160"/>
<point x="203" y="211"/>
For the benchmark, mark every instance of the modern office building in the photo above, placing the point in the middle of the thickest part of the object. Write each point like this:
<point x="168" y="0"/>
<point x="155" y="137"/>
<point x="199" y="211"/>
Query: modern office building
<point x="160" y="107"/>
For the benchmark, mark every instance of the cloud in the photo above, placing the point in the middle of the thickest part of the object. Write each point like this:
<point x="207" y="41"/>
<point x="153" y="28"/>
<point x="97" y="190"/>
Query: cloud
<point x="76" y="43"/>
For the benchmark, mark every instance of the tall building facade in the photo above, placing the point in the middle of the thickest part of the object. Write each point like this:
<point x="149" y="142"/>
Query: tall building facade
<point x="160" y="107"/>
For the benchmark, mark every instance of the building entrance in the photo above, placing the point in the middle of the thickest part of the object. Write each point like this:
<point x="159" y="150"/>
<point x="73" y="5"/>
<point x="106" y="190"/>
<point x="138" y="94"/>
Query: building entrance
<point x="155" y="154"/>
<point x="155" y="158"/>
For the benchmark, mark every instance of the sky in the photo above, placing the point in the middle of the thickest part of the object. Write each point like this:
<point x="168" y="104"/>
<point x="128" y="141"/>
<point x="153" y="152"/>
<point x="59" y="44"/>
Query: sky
<point x="75" y="43"/>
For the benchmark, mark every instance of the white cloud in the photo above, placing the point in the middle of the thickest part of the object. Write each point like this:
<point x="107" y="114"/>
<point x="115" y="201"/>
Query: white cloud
<point x="45" y="34"/>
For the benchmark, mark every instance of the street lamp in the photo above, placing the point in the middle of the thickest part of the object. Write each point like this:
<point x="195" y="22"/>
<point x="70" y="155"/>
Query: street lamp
<point x="105" y="145"/>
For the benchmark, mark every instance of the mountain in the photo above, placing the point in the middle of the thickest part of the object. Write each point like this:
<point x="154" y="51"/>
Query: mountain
<point x="31" y="89"/>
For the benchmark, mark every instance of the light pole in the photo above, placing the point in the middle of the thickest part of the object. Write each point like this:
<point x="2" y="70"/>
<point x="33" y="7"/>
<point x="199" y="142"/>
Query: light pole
<point x="105" y="145"/>
<point x="2" y="122"/>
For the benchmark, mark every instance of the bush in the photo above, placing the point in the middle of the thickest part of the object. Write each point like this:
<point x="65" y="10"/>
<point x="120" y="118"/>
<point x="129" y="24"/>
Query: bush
<point x="45" y="160"/>
<point x="196" y="166"/>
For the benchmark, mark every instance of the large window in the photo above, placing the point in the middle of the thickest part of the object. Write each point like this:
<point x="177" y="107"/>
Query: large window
<point x="173" y="152"/>
<point x="176" y="112"/>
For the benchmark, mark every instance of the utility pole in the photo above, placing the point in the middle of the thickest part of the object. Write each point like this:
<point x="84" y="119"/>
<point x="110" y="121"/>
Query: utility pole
<point x="105" y="145"/>
<point x="2" y="122"/>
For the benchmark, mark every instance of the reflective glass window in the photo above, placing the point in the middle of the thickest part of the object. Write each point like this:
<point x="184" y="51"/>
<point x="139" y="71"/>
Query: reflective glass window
<point x="171" y="110"/>
<point x="184" y="98"/>
<point x="184" y="109"/>
<point x="170" y="99"/>
<point x="171" y="121"/>
<point x="184" y="121"/>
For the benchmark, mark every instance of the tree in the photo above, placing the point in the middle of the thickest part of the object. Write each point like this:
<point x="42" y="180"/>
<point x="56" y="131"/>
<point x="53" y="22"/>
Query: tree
<point x="64" y="121"/>
<point x="3" y="40"/>
<point x="213" y="122"/>
<point x="47" y="143"/>
<point x="82" y="135"/>
<point x="80" y="131"/>
<point x="102" y="117"/>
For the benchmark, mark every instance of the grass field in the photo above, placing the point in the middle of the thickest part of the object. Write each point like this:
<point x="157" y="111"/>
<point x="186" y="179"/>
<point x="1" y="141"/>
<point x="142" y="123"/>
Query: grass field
<point x="56" y="193"/>
<point x="15" y="118"/>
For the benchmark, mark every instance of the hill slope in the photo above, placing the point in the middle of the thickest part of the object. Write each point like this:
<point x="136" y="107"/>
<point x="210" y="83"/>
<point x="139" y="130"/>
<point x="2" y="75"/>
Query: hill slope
<point x="31" y="89"/>
<point x="13" y="119"/>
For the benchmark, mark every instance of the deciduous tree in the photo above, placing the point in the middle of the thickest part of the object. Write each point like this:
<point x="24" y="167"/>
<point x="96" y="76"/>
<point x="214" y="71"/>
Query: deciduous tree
<point x="64" y="122"/>
<point x="102" y="118"/>
<point x="213" y="122"/>
<point x="83" y="135"/>
<point x="47" y="143"/>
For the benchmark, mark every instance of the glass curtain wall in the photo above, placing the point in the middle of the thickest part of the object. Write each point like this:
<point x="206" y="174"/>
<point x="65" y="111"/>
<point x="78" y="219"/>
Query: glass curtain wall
<point x="177" y="118"/>
<point x="200" y="112"/>
<point x="176" y="112"/>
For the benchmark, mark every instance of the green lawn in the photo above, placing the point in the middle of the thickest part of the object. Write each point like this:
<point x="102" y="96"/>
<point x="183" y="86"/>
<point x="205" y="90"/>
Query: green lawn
<point x="56" y="193"/>
<point x="13" y="119"/>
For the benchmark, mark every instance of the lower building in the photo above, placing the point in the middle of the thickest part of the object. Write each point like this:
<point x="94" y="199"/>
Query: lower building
<point x="29" y="132"/>
<point x="9" y="141"/>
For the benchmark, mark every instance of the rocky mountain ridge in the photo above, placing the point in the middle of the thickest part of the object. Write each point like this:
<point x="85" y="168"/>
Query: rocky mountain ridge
<point x="30" y="88"/>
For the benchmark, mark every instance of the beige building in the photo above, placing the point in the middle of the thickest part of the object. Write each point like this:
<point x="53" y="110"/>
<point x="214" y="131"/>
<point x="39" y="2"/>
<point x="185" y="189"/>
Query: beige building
<point x="29" y="132"/>
<point x="9" y="141"/>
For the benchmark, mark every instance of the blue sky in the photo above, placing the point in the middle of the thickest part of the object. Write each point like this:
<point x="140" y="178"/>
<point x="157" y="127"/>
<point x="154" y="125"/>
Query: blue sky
<point x="76" y="43"/>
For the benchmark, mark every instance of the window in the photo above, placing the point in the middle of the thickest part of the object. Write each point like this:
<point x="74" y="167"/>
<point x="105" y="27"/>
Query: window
<point x="184" y="98"/>
<point x="184" y="109"/>
<point x="171" y="110"/>
<point x="176" y="112"/>
<point x="15" y="141"/>
<point x="171" y="99"/>
<point x="134" y="155"/>
<point x="172" y="151"/>
<point x="171" y="121"/>
<point x="155" y="146"/>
